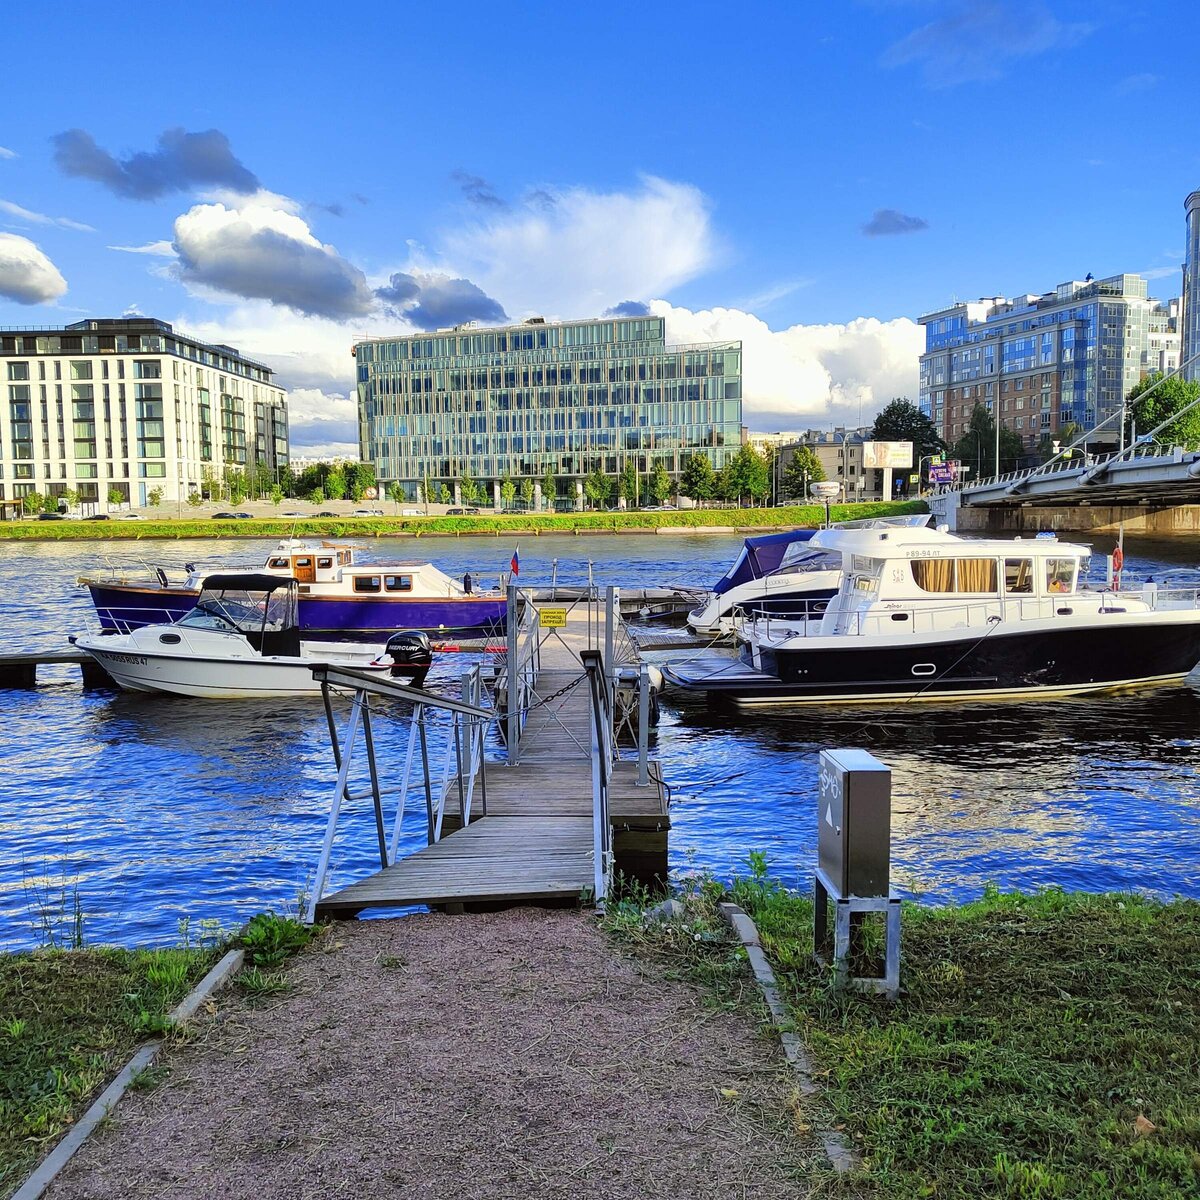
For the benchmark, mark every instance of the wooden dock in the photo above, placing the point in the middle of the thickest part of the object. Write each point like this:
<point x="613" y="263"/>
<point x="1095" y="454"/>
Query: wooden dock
<point x="20" y="670"/>
<point x="536" y="842"/>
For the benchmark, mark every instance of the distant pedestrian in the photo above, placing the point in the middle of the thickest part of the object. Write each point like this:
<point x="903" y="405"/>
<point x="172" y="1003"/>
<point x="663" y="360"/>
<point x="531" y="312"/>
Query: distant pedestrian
<point x="468" y="583"/>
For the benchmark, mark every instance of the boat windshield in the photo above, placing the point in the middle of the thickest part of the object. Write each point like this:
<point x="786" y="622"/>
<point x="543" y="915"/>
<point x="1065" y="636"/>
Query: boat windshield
<point x="801" y="557"/>
<point x="242" y="611"/>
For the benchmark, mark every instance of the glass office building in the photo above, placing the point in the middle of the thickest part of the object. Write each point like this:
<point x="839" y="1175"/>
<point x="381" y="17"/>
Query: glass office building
<point x="518" y="401"/>
<point x="1190" y="316"/>
<point x="1040" y="362"/>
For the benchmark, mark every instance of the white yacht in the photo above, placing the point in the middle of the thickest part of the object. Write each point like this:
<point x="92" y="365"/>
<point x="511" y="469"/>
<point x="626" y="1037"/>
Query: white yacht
<point x="240" y="640"/>
<point x="924" y="614"/>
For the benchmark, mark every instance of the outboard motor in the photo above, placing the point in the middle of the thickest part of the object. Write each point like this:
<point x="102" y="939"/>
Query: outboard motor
<point x="411" y="655"/>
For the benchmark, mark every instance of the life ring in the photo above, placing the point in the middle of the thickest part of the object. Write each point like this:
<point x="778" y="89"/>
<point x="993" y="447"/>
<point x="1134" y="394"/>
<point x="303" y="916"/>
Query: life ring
<point x="1118" y="558"/>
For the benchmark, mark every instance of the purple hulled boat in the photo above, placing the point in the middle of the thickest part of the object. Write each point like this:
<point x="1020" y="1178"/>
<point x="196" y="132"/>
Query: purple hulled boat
<point x="338" y="596"/>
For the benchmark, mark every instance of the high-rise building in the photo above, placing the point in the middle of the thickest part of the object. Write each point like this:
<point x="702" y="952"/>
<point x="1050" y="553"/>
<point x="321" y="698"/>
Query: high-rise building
<point x="122" y="407"/>
<point x="523" y="400"/>
<point x="1040" y="362"/>
<point x="1189" y="317"/>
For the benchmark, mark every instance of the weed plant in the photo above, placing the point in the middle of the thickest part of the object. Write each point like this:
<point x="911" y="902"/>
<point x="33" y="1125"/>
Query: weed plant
<point x="1044" y="1047"/>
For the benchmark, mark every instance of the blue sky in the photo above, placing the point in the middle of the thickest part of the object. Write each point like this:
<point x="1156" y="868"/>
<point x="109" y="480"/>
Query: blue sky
<point x="807" y="179"/>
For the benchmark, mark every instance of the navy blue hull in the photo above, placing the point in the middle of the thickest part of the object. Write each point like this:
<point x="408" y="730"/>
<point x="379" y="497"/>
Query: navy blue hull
<point x="124" y="608"/>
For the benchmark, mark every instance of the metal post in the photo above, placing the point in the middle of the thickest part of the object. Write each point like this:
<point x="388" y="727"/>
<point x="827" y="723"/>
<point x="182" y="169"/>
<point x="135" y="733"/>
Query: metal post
<point x="611" y="609"/>
<point x="428" y="786"/>
<point x="554" y="579"/>
<point x="408" y="758"/>
<point x="643" y="724"/>
<point x="334" y="810"/>
<point x="370" y="743"/>
<point x="512" y="689"/>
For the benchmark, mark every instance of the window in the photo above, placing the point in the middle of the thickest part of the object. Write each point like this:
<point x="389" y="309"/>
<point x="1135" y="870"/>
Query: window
<point x="324" y="564"/>
<point x="955" y="575"/>
<point x="398" y="583"/>
<point x="1018" y="574"/>
<point x="81" y="370"/>
<point x="1060" y="574"/>
<point x="277" y="564"/>
<point x="366" y="583"/>
<point x="18" y="371"/>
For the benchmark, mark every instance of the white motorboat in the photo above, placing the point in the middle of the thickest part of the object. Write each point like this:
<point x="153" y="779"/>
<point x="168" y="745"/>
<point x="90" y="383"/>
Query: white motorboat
<point x="924" y="614"/>
<point x="240" y="640"/>
<point x="780" y="574"/>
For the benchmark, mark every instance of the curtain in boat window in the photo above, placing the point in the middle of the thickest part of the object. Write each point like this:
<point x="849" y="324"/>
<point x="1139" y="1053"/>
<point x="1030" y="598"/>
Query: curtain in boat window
<point x="976" y="574"/>
<point x="934" y="574"/>
<point x="1018" y="574"/>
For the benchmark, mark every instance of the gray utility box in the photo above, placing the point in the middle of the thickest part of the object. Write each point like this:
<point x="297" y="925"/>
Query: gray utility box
<point x="854" y="843"/>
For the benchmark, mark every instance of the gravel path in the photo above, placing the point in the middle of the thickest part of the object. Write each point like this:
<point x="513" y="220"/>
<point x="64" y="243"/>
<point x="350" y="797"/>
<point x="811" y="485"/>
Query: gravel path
<point x="513" y="1054"/>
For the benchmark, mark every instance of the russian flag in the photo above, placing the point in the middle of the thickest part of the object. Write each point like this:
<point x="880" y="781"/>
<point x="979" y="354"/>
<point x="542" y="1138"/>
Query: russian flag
<point x="515" y="565"/>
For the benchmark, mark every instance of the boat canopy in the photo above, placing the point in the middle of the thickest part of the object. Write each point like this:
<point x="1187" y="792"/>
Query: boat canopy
<point x="245" y="581"/>
<point x="760" y="556"/>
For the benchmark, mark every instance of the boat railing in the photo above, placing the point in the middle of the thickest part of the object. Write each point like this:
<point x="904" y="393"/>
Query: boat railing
<point x="936" y="617"/>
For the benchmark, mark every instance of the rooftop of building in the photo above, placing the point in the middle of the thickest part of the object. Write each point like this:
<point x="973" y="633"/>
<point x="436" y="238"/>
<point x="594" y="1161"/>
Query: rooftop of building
<point x="987" y="308"/>
<point x="113" y="326"/>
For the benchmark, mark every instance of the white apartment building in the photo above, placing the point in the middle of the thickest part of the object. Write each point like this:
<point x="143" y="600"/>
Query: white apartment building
<point x="120" y="407"/>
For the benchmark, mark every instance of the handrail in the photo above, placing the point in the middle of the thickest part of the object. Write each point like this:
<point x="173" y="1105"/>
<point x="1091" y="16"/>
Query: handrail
<point x="601" y="729"/>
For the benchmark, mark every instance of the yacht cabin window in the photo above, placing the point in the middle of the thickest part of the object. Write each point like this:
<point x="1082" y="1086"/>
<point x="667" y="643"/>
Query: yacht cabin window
<point x="1018" y="575"/>
<point x="323" y="564"/>
<point x="278" y="564"/>
<point x="1060" y="574"/>
<point x="973" y="575"/>
<point x="398" y="583"/>
<point x="366" y="583"/>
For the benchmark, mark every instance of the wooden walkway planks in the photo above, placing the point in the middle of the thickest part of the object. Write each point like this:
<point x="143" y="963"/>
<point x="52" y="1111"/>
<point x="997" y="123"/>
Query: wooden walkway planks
<point x="536" y="841"/>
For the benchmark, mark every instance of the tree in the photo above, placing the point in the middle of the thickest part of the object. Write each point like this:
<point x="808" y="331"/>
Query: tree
<point x="262" y="478"/>
<point x="508" y="491"/>
<point x="903" y="421"/>
<point x="276" y="495"/>
<point x="549" y="487"/>
<point x="317" y="495"/>
<point x="803" y="468"/>
<point x="977" y="447"/>
<point x="628" y="485"/>
<point x="195" y="499"/>
<point x="335" y="484"/>
<point x="597" y="487"/>
<point x="445" y="495"/>
<point x="70" y="496"/>
<point x="1168" y="397"/>
<point x="749" y="475"/>
<point x="154" y="497"/>
<point x="425" y="491"/>
<point x="35" y="502"/>
<point x="698" y="481"/>
<point x="395" y="493"/>
<point x="468" y="489"/>
<point x="660" y="483"/>
<point x="115" y="496"/>
<point x="527" y="492"/>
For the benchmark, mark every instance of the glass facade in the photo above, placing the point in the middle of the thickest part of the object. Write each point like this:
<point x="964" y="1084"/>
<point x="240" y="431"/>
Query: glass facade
<point x="525" y="400"/>
<point x="1190" y="317"/>
<point x="1069" y="356"/>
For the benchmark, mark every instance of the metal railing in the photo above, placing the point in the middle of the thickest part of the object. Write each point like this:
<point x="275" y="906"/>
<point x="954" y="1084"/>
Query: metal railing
<point x="603" y="749"/>
<point x="463" y="724"/>
<point x="1152" y="450"/>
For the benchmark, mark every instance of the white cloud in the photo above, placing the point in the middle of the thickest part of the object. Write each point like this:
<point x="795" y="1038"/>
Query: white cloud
<point x="37" y="218"/>
<point x="26" y="274"/>
<point x="259" y="248"/>
<point x="5" y="152"/>
<point x="159" y="249"/>
<point x="575" y="252"/>
<point x="809" y="374"/>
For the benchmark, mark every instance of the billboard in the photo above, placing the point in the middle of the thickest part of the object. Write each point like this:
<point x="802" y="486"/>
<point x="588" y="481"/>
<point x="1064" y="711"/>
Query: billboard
<point x="882" y="455"/>
<point x="942" y="472"/>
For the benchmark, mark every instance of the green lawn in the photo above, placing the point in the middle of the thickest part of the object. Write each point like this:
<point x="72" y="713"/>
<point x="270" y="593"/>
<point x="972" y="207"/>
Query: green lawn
<point x="809" y="515"/>
<point x="1044" y="1047"/>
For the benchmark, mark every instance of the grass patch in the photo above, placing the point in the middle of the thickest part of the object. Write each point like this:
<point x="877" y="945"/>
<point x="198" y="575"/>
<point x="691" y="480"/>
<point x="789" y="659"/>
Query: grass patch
<point x="794" y="516"/>
<point x="69" y="1020"/>
<point x="1045" y="1047"/>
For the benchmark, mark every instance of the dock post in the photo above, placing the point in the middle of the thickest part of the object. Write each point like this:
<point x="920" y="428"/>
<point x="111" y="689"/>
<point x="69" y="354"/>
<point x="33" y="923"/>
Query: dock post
<point x="512" y="690"/>
<point x="643" y="724"/>
<point x="612" y="609"/>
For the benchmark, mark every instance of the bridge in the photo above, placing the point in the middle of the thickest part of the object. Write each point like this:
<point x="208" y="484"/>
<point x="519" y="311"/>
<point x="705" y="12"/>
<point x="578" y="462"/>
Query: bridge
<point x="1150" y="474"/>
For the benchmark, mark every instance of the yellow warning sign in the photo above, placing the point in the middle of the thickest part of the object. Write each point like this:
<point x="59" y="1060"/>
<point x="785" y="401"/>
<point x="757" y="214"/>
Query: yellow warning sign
<point x="553" y="618"/>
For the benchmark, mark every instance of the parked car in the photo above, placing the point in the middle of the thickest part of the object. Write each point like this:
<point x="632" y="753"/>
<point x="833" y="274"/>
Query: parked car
<point x="326" y="513"/>
<point x="52" y="516"/>
<point x="412" y="512"/>
<point x="98" y="517"/>
<point x="455" y="512"/>
<point x="130" y="517"/>
<point x="293" y="514"/>
<point x="368" y="512"/>
<point x="231" y="516"/>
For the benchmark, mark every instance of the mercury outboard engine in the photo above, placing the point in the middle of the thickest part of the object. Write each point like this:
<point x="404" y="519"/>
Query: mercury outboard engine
<point x="411" y="655"/>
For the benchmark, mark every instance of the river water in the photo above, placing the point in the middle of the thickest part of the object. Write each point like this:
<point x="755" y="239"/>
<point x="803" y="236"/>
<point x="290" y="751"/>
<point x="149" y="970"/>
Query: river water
<point x="148" y="811"/>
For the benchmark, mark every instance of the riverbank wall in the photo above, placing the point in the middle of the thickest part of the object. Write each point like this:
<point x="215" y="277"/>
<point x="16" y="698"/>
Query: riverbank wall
<point x="1179" y="520"/>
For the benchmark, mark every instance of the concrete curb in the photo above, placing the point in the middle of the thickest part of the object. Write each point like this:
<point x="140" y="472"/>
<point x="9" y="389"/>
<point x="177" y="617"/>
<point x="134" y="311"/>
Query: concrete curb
<point x="46" y="1171"/>
<point x="837" y="1149"/>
